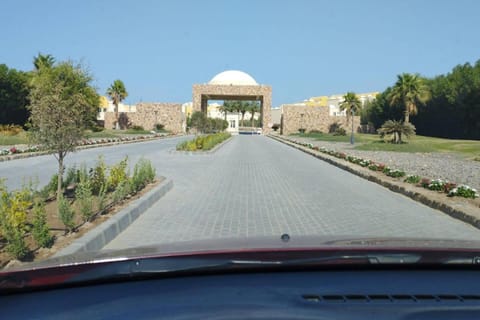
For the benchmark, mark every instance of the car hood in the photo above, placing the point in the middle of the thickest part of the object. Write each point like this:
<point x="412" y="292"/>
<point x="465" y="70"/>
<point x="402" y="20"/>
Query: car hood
<point x="284" y="243"/>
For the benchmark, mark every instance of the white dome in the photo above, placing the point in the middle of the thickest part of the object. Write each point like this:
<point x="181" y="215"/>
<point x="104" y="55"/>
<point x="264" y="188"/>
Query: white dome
<point x="233" y="77"/>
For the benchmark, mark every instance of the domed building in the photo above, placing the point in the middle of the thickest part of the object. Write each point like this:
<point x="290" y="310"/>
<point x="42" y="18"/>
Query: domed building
<point x="234" y="85"/>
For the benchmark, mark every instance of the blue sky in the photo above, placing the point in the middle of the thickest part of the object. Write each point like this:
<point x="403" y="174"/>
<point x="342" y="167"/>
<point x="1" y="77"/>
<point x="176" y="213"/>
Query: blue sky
<point x="300" y="48"/>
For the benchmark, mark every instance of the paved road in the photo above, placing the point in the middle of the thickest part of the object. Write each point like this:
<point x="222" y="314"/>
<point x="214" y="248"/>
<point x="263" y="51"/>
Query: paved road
<point x="43" y="167"/>
<point x="256" y="186"/>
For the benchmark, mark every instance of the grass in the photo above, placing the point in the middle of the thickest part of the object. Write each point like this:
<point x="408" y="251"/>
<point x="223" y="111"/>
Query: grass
<point x="20" y="138"/>
<point x="420" y="144"/>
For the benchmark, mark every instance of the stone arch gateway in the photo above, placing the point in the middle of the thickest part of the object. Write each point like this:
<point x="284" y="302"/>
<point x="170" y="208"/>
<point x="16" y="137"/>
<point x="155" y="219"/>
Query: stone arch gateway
<point x="234" y="85"/>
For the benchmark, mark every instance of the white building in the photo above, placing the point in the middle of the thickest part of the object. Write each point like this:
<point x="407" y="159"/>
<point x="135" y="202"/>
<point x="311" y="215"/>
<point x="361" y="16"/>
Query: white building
<point x="108" y="106"/>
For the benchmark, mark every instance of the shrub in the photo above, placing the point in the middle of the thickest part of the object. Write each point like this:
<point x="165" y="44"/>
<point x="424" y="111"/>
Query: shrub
<point x="102" y="198"/>
<point x="464" y="191"/>
<point x="66" y="214"/>
<point x="275" y="126"/>
<point x="203" y="142"/>
<point x="118" y="174"/>
<point x="97" y="128"/>
<point x="412" y="179"/>
<point x="394" y="173"/>
<point x="340" y="132"/>
<point x="437" y="185"/>
<point x="143" y="174"/>
<point x="301" y="130"/>
<point x="315" y="131"/>
<point x="71" y="177"/>
<point x="41" y="232"/>
<point x="137" y="128"/>
<point x="333" y="127"/>
<point x="98" y="176"/>
<point x="121" y="192"/>
<point x="16" y="245"/>
<point x="425" y="182"/>
<point x="83" y="195"/>
<point x="159" y="127"/>
<point x="395" y="129"/>
<point x="50" y="188"/>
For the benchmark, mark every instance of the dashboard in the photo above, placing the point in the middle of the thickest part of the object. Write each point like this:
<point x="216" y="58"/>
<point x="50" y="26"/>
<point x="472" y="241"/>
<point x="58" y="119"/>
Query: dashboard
<point x="331" y="294"/>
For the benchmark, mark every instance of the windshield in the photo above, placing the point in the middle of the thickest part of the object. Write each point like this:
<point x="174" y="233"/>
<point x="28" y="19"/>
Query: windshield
<point x="195" y="126"/>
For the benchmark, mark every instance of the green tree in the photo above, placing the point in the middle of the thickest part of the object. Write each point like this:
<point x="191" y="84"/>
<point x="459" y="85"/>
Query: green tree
<point x="14" y="91"/>
<point x="397" y="129"/>
<point x="43" y="61"/>
<point x="62" y="101"/>
<point x="351" y="104"/>
<point x="411" y="90"/>
<point x="199" y="121"/>
<point x="117" y="93"/>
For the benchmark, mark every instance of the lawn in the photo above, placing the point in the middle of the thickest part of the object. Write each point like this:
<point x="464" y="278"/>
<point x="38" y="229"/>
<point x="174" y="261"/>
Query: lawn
<point x="21" y="138"/>
<point x="372" y="142"/>
<point x="6" y="140"/>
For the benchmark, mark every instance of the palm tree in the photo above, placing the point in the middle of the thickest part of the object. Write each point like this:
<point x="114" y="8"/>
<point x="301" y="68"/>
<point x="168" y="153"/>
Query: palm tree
<point x="411" y="90"/>
<point x="351" y="104"/>
<point x="253" y="108"/>
<point x="117" y="93"/>
<point x="397" y="129"/>
<point x="227" y="106"/>
<point x="43" y="60"/>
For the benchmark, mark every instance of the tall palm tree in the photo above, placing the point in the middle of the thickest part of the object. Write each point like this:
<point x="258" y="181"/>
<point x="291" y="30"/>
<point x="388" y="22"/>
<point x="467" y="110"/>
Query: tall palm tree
<point x="351" y="104"/>
<point x="117" y="93"/>
<point x="43" y="60"/>
<point x="253" y="108"/>
<point x="411" y="90"/>
<point x="228" y="106"/>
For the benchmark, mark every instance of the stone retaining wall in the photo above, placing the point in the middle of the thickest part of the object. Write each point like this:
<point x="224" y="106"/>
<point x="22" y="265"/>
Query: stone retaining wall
<point x="314" y="118"/>
<point x="148" y="114"/>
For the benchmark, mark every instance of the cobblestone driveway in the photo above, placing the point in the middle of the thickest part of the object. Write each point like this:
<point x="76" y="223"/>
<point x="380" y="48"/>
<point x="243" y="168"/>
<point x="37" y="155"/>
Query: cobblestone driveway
<point x="256" y="186"/>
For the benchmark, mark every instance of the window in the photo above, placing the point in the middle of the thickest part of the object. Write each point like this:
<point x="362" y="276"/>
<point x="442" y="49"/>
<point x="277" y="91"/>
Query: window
<point x="232" y="123"/>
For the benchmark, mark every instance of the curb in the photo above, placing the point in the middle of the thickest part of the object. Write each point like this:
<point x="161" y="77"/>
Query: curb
<point x="108" y="144"/>
<point x="202" y="153"/>
<point x="101" y="235"/>
<point x="459" y="211"/>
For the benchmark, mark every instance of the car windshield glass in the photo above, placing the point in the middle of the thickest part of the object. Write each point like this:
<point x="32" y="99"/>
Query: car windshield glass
<point x="146" y="128"/>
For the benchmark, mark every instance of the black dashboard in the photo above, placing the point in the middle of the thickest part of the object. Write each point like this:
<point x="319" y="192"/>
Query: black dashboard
<point x="327" y="294"/>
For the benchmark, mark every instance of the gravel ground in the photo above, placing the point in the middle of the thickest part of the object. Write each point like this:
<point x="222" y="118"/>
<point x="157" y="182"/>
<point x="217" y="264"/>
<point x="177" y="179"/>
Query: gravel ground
<point x="447" y="166"/>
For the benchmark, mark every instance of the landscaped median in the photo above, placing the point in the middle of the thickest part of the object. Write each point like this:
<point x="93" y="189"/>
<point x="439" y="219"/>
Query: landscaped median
<point x="458" y="201"/>
<point x="13" y="152"/>
<point x="203" y="142"/>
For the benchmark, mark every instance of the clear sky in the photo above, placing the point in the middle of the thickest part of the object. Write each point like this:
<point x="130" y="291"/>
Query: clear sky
<point x="300" y="48"/>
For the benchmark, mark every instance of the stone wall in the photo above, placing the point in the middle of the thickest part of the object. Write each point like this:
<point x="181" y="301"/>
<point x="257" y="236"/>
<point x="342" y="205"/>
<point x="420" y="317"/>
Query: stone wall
<point x="314" y="118"/>
<point x="201" y="93"/>
<point x="149" y="114"/>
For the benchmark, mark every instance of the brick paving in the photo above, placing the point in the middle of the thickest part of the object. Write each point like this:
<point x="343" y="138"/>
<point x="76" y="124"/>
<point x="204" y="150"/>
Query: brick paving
<point x="255" y="186"/>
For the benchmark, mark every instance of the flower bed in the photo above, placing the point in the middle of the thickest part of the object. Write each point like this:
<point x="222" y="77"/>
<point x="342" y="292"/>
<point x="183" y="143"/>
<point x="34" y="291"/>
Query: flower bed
<point x="439" y="185"/>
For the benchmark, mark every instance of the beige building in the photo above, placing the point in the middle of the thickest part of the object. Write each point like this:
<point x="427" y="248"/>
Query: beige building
<point x="108" y="106"/>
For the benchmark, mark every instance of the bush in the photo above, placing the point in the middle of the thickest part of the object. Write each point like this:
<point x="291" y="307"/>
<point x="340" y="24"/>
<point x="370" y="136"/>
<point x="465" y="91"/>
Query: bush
<point x="51" y="188"/>
<point x="412" y="179"/>
<point x="16" y="245"/>
<point x="315" y="131"/>
<point x="71" y="177"/>
<point x="143" y="174"/>
<point x="394" y="173"/>
<point x="66" y="214"/>
<point x="275" y="126"/>
<point x="463" y="191"/>
<point x="10" y="129"/>
<point x="137" y="128"/>
<point x="121" y="192"/>
<point x="118" y="174"/>
<point x="159" y="127"/>
<point x="97" y="128"/>
<point x="41" y="232"/>
<point x="83" y="195"/>
<point x="98" y="176"/>
<point x="301" y="130"/>
<point x="203" y="142"/>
